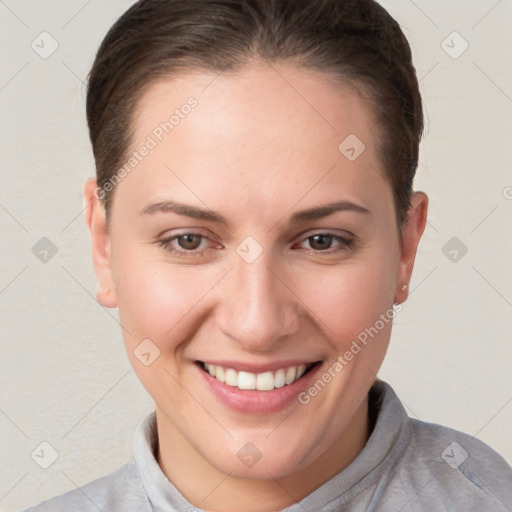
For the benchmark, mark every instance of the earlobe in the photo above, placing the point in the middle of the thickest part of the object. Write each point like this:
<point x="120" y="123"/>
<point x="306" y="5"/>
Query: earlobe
<point x="412" y="232"/>
<point x="95" y="218"/>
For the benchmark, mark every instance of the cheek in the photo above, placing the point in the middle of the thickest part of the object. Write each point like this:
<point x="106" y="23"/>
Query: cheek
<point x="156" y="300"/>
<point x="350" y="298"/>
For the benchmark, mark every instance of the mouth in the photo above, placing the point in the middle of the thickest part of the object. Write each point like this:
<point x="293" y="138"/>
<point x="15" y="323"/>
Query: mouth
<point x="264" y="381"/>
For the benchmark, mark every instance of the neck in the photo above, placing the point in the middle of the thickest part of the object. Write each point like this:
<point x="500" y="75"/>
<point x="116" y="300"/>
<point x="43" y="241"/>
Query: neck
<point x="208" y="488"/>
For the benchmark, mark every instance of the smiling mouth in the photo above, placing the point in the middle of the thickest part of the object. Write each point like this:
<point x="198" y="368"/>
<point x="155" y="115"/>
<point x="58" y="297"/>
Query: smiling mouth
<point x="266" y="381"/>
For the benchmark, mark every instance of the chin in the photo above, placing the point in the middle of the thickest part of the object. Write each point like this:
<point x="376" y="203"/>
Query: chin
<point x="262" y="459"/>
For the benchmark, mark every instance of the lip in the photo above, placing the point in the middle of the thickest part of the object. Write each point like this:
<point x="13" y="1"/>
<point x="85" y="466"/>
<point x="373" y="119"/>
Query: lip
<point x="253" y="401"/>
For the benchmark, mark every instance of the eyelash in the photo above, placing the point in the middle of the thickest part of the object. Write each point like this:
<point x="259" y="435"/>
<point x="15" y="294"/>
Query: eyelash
<point x="166" y="244"/>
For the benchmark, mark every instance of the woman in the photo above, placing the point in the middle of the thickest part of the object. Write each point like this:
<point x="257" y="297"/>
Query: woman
<point x="253" y="219"/>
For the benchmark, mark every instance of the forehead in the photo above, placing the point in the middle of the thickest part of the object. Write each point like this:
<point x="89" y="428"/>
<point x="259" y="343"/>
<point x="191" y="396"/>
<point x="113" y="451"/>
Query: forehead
<point x="265" y="126"/>
<point x="260" y="96"/>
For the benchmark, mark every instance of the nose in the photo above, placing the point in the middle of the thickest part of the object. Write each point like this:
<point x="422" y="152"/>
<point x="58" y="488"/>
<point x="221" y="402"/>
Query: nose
<point x="258" y="309"/>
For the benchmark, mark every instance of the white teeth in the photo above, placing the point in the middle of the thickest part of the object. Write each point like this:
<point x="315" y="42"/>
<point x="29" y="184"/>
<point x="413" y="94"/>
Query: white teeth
<point x="280" y="378"/>
<point x="290" y="374"/>
<point x="221" y="374"/>
<point x="301" y="370"/>
<point x="266" y="381"/>
<point x="231" y="377"/>
<point x="246" y="380"/>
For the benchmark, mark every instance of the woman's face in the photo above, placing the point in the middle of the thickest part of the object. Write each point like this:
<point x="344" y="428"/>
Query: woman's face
<point x="256" y="235"/>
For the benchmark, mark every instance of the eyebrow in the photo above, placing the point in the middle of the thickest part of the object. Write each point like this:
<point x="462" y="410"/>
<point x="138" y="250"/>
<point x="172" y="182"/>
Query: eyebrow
<point x="211" y="216"/>
<point x="326" y="210"/>
<point x="184" y="209"/>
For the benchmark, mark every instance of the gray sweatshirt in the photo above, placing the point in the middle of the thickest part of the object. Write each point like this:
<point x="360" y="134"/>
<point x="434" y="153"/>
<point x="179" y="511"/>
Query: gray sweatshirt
<point x="406" y="466"/>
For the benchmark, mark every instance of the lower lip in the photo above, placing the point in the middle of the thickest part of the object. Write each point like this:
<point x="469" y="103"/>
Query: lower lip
<point x="257" y="402"/>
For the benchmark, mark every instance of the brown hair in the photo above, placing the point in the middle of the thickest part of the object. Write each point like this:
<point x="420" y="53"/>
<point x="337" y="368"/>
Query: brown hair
<point x="357" y="40"/>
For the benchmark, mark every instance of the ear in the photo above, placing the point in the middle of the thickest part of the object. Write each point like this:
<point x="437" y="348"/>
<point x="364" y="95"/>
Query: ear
<point x="412" y="230"/>
<point x="95" y="218"/>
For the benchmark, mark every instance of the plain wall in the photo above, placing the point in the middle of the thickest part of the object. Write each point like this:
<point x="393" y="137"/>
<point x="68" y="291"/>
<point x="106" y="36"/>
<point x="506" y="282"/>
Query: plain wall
<point x="65" y="378"/>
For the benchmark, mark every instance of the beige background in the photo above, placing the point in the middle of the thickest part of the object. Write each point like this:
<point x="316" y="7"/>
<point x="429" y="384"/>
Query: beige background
<point x="65" y="379"/>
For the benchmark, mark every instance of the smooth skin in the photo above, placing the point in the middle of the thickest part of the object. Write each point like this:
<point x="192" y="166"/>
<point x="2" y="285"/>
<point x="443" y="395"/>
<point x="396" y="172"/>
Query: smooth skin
<point x="260" y="146"/>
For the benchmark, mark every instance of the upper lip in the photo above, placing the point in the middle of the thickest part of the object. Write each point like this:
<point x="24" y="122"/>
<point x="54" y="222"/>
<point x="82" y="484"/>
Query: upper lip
<point x="251" y="367"/>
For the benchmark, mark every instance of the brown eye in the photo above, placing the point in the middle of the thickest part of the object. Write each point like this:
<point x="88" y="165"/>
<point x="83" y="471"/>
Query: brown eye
<point x="320" y="242"/>
<point x="189" y="242"/>
<point x="327" y="243"/>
